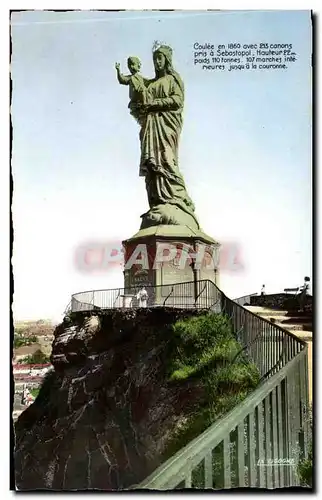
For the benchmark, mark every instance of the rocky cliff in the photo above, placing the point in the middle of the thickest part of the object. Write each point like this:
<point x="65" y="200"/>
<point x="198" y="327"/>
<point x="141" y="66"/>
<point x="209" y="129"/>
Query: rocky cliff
<point x="119" y="398"/>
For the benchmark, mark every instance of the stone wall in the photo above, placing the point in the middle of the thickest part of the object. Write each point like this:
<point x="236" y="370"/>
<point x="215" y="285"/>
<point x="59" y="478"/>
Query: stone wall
<point x="285" y="301"/>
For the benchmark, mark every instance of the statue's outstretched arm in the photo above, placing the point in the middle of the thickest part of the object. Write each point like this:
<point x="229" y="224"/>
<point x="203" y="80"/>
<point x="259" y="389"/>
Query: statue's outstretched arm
<point x="122" y="79"/>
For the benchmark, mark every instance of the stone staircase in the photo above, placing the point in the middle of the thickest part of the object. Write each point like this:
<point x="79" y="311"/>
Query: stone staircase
<point x="298" y="323"/>
<point x="292" y="321"/>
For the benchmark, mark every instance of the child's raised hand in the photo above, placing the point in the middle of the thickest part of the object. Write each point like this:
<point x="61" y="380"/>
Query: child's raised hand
<point x="117" y="65"/>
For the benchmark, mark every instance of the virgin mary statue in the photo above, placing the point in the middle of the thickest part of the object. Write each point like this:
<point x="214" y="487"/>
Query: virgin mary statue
<point x="160" y="119"/>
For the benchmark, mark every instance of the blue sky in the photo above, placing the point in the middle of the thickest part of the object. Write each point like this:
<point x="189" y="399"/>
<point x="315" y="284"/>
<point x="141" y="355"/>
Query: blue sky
<point x="245" y="148"/>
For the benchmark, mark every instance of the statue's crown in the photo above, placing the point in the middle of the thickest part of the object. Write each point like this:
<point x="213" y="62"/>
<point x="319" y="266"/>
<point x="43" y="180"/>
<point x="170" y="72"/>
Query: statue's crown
<point x="157" y="44"/>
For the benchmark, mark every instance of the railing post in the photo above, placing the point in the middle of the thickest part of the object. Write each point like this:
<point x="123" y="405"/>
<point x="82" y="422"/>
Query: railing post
<point x="268" y="454"/>
<point x="240" y="455"/>
<point x="280" y="347"/>
<point x="226" y="462"/>
<point x="259" y="445"/>
<point x="288" y="420"/>
<point x="273" y="344"/>
<point x="273" y="340"/>
<point x="297" y="415"/>
<point x="293" y="430"/>
<point x="187" y="479"/>
<point x="195" y="272"/>
<point x="281" y="434"/>
<point x="208" y="470"/>
<point x="304" y="404"/>
<point x="274" y="438"/>
<point x="251" y="465"/>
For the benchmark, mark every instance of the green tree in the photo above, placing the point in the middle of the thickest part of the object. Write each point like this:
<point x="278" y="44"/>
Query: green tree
<point x="20" y="340"/>
<point x="38" y="358"/>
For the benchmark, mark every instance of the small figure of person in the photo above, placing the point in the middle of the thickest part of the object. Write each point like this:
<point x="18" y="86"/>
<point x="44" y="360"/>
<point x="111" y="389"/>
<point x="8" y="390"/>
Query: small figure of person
<point x="303" y="292"/>
<point x="138" y="92"/>
<point x="263" y="290"/>
<point x="23" y="396"/>
<point x="142" y="297"/>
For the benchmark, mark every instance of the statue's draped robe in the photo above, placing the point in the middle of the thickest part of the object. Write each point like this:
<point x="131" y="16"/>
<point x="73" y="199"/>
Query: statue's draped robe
<point x="159" y="136"/>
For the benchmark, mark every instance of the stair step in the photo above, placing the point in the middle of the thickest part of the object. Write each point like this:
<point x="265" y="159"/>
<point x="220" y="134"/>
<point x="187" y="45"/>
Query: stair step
<point x="303" y="335"/>
<point x="297" y="319"/>
<point x="278" y="319"/>
<point x="291" y="326"/>
<point x="262" y="311"/>
<point x="283" y="319"/>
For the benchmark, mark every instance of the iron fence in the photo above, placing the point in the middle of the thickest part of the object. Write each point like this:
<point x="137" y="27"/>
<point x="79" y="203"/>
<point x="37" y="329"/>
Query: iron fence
<point x="269" y="346"/>
<point x="191" y="294"/>
<point x="260" y="441"/>
<point x="258" y="444"/>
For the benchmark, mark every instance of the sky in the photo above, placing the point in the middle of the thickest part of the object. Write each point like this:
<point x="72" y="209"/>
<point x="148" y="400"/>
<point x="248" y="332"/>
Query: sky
<point x="245" y="148"/>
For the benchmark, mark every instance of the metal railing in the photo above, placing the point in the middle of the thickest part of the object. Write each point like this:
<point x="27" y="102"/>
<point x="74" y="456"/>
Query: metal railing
<point x="190" y="294"/>
<point x="269" y="346"/>
<point x="260" y="441"/>
<point x="258" y="444"/>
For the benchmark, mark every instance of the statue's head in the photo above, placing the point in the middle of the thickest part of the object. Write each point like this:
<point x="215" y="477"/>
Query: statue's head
<point x="162" y="58"/>
<point x="134" y="64"/>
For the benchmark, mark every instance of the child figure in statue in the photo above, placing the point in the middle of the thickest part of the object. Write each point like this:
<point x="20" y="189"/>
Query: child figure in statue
<point x="137" y="84"/>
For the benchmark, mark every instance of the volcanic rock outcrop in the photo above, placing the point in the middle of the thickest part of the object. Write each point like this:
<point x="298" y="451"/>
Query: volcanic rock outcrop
<point x="107" y="414"/>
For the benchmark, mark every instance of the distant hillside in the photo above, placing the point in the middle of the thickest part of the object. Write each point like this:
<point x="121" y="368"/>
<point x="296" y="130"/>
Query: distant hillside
<point x="38" y="328"/>
<point x="33" y="341"/>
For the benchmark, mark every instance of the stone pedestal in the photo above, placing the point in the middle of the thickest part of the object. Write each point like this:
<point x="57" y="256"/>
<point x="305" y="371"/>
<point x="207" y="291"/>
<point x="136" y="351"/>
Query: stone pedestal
<point x="159" y="256"/>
